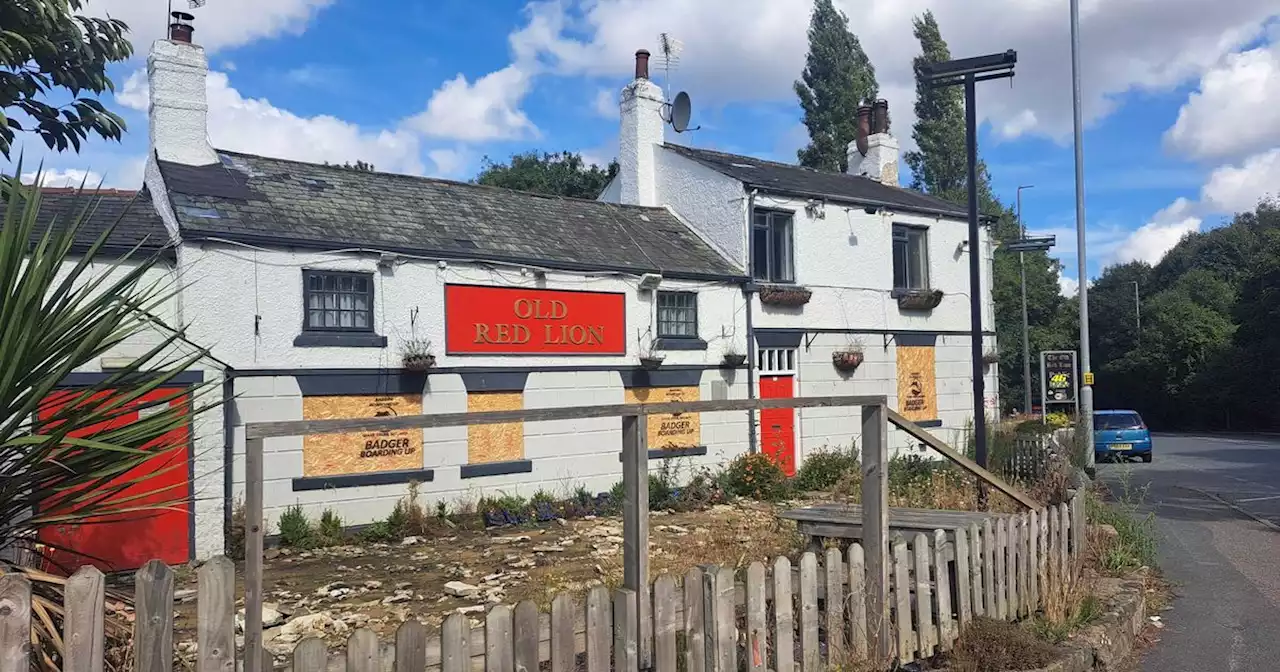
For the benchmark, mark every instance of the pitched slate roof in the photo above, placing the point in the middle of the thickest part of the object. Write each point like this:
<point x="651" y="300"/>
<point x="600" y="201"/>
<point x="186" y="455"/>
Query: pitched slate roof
<point x="785" y="178"/>
<point x="265" y="200"/>
<point x="132" y="213"/>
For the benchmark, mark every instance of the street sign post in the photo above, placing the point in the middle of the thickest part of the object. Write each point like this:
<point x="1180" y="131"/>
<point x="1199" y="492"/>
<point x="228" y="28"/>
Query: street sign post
<point x="1059" y="385"/>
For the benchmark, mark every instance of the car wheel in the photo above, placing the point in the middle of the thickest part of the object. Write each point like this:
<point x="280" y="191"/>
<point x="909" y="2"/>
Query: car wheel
<point x="1147" y="458"/>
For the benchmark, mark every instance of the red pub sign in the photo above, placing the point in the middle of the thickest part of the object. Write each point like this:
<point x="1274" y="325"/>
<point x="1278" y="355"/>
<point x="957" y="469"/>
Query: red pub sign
<point x="507" y="320"/>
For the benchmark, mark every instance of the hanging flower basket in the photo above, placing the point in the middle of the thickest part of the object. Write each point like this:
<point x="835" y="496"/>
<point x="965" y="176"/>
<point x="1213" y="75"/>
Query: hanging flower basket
<point x="778" y="295"/>
<point x="733" y="360"/>
<point x="847" y="360"/>
<point x="651" y="362"/>
<point x="920" y="300"/>
<point x="419" y="362"/>
<point x="990" y="359"/>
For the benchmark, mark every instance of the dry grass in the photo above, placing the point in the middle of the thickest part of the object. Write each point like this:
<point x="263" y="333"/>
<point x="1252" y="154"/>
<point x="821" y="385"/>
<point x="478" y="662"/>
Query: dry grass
<point x="990" y="645"/>
<point x="1068" y="603"/>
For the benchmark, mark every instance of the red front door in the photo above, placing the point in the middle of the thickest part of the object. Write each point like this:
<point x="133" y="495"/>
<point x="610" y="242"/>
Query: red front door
<point x="128" y="540"/>
<point x="778" y="425"/>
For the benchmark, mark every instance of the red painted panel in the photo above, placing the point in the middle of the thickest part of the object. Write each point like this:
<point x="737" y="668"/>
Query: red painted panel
<point x="507" y="320"/>
<point x="778" y="425"/>
<point x="128" y="540"/>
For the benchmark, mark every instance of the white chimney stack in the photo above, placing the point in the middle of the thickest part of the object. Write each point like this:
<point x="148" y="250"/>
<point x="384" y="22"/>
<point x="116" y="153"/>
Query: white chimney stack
<point x="641" y="133"/>
<point x="176" y="72"/>
<point x="874" y="154"/>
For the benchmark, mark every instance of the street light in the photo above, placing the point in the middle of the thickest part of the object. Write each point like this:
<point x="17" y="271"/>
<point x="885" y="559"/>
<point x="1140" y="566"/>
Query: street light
<point x="1026" y="338"/>
<point x="1086" y="388"/>
<point x="970" y="71"/>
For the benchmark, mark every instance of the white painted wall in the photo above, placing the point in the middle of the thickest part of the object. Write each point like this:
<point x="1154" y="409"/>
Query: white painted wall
<point x="565" y="454"/>
<point x="845" y="257"/>
<point x="227" y="285"/>
<point x="712" y="203"/>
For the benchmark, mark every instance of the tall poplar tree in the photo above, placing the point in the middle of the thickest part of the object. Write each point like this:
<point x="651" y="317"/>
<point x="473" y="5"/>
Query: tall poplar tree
<point x="837" y="78"/>
<point x="938" y="166"/>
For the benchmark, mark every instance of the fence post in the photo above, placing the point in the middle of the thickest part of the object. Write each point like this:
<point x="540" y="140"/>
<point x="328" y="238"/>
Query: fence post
<point x="153" y="626"/>
<point x="216" y="608"/>
<point x="635" y="527"/>
<point x="253" y="554"/>
<point x="15" y="623"/>
<point x="83" y="623"/>
<point x="875" y="523"/>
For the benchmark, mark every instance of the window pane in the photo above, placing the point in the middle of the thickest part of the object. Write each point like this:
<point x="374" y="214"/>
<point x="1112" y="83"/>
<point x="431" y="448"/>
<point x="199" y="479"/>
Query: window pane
<point x="344" y="301"/>
<point x="315" y="318"/>
<point x="314" y="282"/>
<point x="345" y="282"/>
<point x="781" y="252"/>
<point x="760" y="252"/>
<point x="330" y="318"/>
<point x="899" y="264"/>
<point x="330" y="300"/>
<point x="329" y="281"/>
<point x="362" y="284"/>
<point x="362" y="319"/>
<point x="361" y="302"/>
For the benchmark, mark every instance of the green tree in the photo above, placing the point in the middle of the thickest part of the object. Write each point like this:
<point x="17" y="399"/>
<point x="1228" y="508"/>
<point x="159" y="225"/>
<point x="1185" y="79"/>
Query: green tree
<point x="47" y="48"/>
<point x="68" y="457"/>
<point x="837" y="78"/>
<point x="563" y="174"/>
<point x="938" y="166"/>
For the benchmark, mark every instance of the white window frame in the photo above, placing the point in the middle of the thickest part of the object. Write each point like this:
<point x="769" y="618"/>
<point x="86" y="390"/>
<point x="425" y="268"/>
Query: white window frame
<point x="776" y="361"/>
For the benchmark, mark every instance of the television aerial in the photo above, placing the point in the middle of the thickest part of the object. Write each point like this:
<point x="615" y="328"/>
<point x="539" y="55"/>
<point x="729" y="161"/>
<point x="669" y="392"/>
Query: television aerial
<point x="679" y="110"/>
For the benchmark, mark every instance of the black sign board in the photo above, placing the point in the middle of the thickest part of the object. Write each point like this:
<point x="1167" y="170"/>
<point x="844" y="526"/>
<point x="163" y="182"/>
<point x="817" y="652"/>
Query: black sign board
<point x="1058" y="373"/>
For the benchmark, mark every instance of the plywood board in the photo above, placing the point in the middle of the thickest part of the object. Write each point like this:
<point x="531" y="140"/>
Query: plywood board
<point x="361" y="452"/>
<point x="495" y="443"/>
<point x="679" y="430"/>
<point x="917" y="383"/>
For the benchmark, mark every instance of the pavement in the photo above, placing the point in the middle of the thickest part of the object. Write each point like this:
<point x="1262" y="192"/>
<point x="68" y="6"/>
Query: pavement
<point x="1217" y="506"/>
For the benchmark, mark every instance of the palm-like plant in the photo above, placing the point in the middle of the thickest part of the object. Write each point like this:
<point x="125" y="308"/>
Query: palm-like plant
<point x="69" y="456"/>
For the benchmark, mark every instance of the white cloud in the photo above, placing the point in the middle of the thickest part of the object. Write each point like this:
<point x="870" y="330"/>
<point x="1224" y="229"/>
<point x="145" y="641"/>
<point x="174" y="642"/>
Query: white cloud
<point x="484" y="110"/>
<point x="1153" y="240"/>
<point x="220" y="24"/>
<point x="449" y="163"/>
<point x="606" y="103"/>
<point x="68" y="177"/>
<point x="752" y="50"/>
<point x="1236" y="109"/>
<point x="1068" y="287"/>
<point x="256" y="126"/>
<point x="1232" y="189"/>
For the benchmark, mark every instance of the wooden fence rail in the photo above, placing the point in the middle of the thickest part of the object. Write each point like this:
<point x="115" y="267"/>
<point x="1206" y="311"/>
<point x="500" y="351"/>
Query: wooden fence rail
<point x="784" y="616"/>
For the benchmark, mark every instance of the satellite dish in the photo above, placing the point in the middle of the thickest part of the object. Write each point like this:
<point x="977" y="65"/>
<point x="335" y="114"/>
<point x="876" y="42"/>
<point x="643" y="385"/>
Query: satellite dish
<point x="681" y="109"/>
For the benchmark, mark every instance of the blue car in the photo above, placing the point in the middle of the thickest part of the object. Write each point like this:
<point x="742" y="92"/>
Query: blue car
<point x="1120" y="434"/>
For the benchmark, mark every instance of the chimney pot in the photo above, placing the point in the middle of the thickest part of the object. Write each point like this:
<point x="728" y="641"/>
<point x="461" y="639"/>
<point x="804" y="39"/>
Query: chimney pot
<point x="642" y="64"/>
<point x="864" y="128"/>
<point x="181" y="28"/>
<point x="880" y="117"/>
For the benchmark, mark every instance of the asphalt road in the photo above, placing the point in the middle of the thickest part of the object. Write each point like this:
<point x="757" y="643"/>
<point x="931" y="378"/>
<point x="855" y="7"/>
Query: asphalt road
<point x="1217" y="506"/>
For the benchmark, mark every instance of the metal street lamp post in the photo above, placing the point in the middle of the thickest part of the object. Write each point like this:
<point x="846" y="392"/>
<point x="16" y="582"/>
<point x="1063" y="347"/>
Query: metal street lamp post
<point x="968" y="72"/>
<point x="1085" y="421"/>
<point x="1026" y="339"/>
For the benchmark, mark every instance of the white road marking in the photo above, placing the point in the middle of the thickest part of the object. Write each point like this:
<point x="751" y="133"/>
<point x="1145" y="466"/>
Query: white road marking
<point x="1257" y="499"/>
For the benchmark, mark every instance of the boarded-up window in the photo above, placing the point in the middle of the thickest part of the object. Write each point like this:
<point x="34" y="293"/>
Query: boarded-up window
<point x="361" y="452"/>
<point x="917" y="383"/>
<point x="495" y="443"/>
<point x="683" y="430"/>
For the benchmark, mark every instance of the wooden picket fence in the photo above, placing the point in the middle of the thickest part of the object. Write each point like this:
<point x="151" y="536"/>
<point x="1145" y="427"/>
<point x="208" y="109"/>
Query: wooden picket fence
<point x="775" y="617"/>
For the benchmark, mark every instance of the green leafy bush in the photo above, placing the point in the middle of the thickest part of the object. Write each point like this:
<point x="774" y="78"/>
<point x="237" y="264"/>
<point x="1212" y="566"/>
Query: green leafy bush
<point x="755" y="476"/>
<point x="825" y="468"/>
<point x="907" y="471"/>
<point x="330" y="531"/>
<point x="296" y="530"/>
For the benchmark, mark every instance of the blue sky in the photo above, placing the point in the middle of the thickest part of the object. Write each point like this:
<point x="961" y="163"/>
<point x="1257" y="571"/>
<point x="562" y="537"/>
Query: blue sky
<point x="1182" y="96"/>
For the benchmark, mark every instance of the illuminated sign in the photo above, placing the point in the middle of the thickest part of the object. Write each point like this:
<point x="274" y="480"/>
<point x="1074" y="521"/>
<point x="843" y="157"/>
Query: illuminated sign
<point x="1058" y="371"/>
<point x="515" y="321"/>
